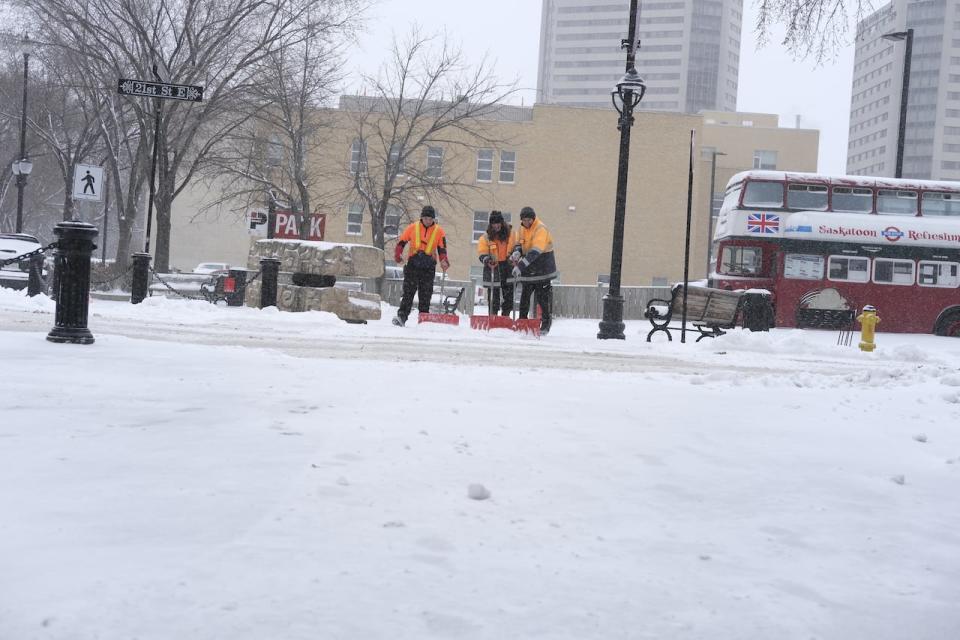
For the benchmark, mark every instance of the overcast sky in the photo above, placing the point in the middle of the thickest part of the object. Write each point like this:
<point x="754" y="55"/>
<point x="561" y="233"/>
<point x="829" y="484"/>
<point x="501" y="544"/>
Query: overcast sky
<point x="509" y="32"/>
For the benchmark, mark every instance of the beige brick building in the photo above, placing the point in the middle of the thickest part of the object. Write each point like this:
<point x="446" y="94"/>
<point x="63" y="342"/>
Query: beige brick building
<point x="563" y="162"/>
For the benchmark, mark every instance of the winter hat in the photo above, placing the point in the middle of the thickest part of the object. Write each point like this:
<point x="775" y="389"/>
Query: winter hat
<point x="496" y="216"/>
<point x="428" y="212"/>
<point x="528" y="212"/>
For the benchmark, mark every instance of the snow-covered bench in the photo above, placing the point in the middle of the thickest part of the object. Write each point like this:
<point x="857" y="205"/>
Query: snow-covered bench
<point x="709" y="311"/>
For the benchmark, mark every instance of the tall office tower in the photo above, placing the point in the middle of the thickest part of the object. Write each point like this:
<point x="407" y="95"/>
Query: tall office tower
<point x="689" y="54"/>
<point x="932" y="133"/>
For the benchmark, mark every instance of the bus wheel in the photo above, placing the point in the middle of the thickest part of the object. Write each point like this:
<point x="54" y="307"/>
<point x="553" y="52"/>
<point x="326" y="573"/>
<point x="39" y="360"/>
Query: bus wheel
<point x="949" y="325"/>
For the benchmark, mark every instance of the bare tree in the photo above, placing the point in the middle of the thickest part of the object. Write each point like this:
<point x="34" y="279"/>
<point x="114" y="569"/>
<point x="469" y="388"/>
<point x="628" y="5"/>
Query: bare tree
<point x="426" y="107"/>
<point x="218" y="44"/>
<point x="814" y="28"/>
<point x="271" y="156"/>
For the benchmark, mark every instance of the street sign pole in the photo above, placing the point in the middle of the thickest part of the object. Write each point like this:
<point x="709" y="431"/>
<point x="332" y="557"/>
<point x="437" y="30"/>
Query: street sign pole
<point x="160" y="91"/>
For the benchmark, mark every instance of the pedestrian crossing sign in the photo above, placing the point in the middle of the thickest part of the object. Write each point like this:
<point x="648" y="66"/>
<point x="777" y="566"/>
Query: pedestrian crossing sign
<point x="87" y="182"/>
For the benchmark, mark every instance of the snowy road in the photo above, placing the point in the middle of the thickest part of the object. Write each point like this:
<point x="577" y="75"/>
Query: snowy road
<point x="563" y="349"/>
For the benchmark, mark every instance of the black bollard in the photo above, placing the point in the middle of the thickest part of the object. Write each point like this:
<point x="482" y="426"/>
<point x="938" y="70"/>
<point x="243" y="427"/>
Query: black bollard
<point x="35" y="277"/>
<point x="269" y="271"/>
<point x="141" y="277"/>
<point x="239" y="276"/>
<point x="74" y="247"/>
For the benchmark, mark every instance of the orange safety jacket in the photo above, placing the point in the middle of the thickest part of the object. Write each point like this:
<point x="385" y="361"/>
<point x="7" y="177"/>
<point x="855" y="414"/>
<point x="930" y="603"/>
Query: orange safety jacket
<point x="536" y="246"/>
<point x="496" y="249"/>
<point x="423" y="241"/>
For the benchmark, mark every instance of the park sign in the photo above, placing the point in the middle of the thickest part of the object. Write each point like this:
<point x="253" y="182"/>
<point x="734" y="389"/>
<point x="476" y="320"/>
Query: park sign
<point x="146" y="89"/>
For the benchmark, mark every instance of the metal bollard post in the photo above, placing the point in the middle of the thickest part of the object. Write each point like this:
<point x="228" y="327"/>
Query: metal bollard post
<point x="239" y="276"/>
<point x="35" y="277"/>
<point x="269" y="270"/>
<point x="74" y="247"/>
<point x="141" y="277"/>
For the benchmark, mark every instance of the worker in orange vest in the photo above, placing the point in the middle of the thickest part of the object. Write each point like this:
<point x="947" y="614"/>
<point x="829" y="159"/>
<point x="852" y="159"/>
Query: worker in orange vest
<point x="534" y="266"/>
<point x="427" y="243"/>
<point x="494" y="247"/>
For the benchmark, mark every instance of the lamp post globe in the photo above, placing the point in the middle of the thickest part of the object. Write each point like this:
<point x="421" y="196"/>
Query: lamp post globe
<point x="627" y="95"/>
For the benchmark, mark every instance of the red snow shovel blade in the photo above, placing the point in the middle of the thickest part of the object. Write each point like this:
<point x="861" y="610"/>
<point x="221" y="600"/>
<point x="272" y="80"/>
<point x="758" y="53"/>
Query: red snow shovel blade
<point x="485" y="323"/>
<point x="531" y="326"/>
<point x="480" y="322"/>
<point x="439" y="318"/>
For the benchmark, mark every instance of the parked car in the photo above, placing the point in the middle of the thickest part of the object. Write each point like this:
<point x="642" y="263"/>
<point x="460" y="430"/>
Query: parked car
<point x="15" y="276"/>
<point x="211" y="267"/>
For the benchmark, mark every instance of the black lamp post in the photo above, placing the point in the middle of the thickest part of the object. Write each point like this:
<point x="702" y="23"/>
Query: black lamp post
<point x="23" y="166"/>
<point x="630" y="92"/>
<point x="713" y="186"/>
<point x="904" y="92"/>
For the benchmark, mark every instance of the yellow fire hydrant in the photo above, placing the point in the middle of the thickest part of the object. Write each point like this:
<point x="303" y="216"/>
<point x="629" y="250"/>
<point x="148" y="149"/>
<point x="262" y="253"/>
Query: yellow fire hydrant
<point x="868" y="320"/>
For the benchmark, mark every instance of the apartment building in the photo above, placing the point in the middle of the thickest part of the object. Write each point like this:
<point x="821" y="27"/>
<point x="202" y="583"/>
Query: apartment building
<point x="560" y="160"/>
<point x="932" y="134"/>
<point x="689" y="55"/>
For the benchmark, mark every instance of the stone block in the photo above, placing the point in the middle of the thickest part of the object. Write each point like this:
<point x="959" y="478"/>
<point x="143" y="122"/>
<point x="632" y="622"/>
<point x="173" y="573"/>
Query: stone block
<point x="319" y="258"/>
<point x="345" y="304"/>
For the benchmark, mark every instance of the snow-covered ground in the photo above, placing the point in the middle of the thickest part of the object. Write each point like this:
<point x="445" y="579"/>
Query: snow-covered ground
<point x="208" y="472"/>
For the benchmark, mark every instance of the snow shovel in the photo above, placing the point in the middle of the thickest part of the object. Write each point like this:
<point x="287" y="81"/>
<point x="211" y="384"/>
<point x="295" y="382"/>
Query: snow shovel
<point x="525" y="325"/>
<point x="491" y="320"/>
<point x="441" y="318"/>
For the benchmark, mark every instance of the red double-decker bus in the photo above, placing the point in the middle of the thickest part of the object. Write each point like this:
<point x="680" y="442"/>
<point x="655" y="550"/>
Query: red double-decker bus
<point x="826" y="246"/>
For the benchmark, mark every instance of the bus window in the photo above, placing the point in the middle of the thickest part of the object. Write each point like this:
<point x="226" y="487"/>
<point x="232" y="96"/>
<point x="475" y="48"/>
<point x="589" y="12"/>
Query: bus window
<point x="853" y="199"/>
<point x="808" y="197"/>
<point x="740" y="261"/>
<point x="847" y="269"/>
<point x="939" y="274"/>
<point x="898" y="203"/>
<point x="731" y="200"/>
<point x="763" y="194"/>
<point x="941" y="204"/>
<point x="889" y="271"/>
<point x="798" y="266"/>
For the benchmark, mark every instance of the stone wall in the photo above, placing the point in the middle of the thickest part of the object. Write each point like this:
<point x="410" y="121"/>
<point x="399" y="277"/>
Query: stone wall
<point x="303" y="261"/>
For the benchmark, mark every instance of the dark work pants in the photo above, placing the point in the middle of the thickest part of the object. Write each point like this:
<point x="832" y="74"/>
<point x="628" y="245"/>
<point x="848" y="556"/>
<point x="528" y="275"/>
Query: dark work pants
<point x="502" y="296"/>
<point x="544" y="296"/>
<point x="416" y="280"/>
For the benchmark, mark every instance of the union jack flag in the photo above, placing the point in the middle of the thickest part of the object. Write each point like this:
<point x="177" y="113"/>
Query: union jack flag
<point x="763" y="223"/>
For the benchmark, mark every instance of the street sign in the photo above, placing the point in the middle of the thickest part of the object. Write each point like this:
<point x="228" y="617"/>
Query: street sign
<point x="257" y="224"/>
<point x="87" y="182"/>
<point x="146" y="89"/>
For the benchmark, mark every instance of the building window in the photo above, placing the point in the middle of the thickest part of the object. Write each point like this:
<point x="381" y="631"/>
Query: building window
<point x="888" y="271"/>
<point x="358" y="157"/>
<point x="845" y="269"/>
<point x="939" y="274"/>
<point x="435" y="162"/>
<point x="480" y="221"/>
<point x="355" y="219"/>
<point x="764" y="159"/>
<point x="395" y="159"/>
<point x="391" y="221"/>
<point x="484" y="165"/>
<point x="508" y="166"/>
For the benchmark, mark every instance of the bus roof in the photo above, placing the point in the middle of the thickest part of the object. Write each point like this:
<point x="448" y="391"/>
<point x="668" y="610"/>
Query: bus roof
<point x="845" y="181"/>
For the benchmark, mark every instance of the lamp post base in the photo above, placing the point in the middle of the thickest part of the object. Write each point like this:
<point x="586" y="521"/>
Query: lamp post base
<point x="611" y="327"/>
<point x="73" y="335"/>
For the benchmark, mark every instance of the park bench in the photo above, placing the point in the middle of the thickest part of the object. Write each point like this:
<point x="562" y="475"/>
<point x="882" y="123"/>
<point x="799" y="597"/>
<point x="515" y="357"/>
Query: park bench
<point x="710" y="311"/>
<point x="219" y="287"/>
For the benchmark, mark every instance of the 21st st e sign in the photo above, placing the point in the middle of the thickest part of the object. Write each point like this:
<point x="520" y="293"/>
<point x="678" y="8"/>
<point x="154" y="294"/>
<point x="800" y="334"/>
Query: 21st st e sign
<point x="129" y="87"/>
